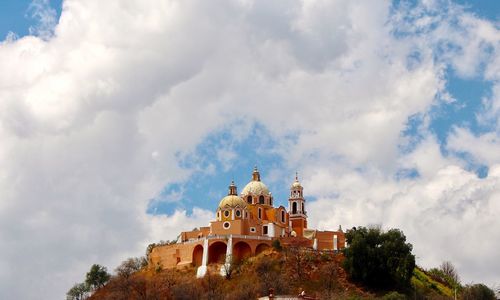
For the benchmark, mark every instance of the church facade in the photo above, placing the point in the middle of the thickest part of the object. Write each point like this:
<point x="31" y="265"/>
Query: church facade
<point x="245" y="225"/>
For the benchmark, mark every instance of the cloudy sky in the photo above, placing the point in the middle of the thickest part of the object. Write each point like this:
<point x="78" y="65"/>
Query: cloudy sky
<point x="122" y="123"/>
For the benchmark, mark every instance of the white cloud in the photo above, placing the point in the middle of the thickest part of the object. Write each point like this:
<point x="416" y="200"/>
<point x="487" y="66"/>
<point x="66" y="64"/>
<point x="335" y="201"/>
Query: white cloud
<point x="485" y="148"/>
<point x="82" y="112"/>
<point x="449" y="215"/>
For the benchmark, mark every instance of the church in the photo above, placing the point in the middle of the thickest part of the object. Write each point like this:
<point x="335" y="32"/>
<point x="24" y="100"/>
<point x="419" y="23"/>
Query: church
<point x="246" y="225"/>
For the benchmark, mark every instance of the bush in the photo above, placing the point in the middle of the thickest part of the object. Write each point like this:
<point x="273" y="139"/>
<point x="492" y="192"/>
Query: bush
<point x="394" y="296"/>
<point x="477" y="292"/>
<point x="187" y="290"/>
<point x="269" y="272"/>
<point x="328" y="278"/>
<point x="247" y="289"/>
<point x="446" y="274"/>
<point x="277" y="245"/>
<point x="79" y="291"/>
<point x="130" y="266"/>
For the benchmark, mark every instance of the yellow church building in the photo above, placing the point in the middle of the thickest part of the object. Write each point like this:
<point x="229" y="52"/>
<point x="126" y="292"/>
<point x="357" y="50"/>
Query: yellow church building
<point x="246" y="225"/>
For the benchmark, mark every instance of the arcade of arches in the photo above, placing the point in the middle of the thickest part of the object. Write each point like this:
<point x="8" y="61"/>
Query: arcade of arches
<point x="217" y="251"/>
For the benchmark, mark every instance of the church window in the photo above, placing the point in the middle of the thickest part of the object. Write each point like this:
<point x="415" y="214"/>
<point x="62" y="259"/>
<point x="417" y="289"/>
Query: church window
<point x="252" y="229"/>
<point x="238" y="213"/>
<point x="282" y="216"/>
<point x="302" y="207"/>
<point x="226" y="225"/>
<point x="264" y="229"/>
<point x="294" y="207"/>
<point x="226" y="213"/>
<point x="249" y="199"/>
<point x="261" y="200"/>
<point x="260" y="213"/>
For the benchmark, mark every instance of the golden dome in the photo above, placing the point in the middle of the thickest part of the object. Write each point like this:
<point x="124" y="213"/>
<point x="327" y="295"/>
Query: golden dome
<point x="232" y="201"/>
<point x="296" y="183"/>
<point x="255" y="188"/>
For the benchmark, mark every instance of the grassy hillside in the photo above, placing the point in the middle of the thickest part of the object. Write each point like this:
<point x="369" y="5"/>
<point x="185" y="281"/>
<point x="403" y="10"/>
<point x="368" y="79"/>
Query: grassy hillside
<point x="425" y="283"/>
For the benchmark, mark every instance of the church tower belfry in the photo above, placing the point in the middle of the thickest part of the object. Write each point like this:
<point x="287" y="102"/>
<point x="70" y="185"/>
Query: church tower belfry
<point x="296" y="207"/>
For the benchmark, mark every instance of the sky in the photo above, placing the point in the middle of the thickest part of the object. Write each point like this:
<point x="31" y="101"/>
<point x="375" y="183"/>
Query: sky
<point x="123" y="122"/>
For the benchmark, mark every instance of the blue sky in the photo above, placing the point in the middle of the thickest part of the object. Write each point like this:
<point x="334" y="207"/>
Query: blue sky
<point x="17" y="16"/>
<point x="467" y="92"/>
<point x="128" y="129"/>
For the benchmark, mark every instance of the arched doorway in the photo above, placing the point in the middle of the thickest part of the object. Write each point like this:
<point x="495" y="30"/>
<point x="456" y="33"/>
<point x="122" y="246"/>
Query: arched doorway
<point x="241" y="250"/>
<point x="217" y="253"/>
<point x="261" y="248"/>
<point x="197" y="255"/>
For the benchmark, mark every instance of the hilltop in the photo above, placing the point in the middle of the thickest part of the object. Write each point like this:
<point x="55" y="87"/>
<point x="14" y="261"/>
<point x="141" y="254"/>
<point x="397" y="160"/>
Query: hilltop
<point x="376" y="265"/>
<point x="320" y="274"/>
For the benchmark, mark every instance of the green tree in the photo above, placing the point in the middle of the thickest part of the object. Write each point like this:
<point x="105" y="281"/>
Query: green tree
<point x="79" y="291"/>
<point x="379" y="259"/>
<point x="477" y="292"/>
<point x="97" y="276"/>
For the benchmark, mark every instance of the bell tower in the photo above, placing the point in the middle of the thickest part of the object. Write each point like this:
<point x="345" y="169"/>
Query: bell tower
<point x="296" y="207"/>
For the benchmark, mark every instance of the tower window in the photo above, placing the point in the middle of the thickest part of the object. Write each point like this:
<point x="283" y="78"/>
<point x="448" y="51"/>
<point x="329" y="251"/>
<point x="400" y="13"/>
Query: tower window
<point x="302" y="207"/>
<point x="261" y="200"/>
<point x="294" y="207"/>
<point x="238" y="213"/>
<point x="282" y="216"/>
<point x="249" y="199"/>
<point x="226" y="213"/>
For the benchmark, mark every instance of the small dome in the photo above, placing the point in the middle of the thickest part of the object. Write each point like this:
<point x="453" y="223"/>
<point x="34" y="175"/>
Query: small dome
<point x="296" y="183"/>
<point x="232" y="201"/>
<point x="255" y="188"/>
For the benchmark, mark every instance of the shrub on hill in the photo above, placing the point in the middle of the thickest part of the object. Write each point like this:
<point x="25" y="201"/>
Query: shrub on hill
<point x="477" y="292"/>
<point x="379" y="259"/>
<point x="446" y="273"/>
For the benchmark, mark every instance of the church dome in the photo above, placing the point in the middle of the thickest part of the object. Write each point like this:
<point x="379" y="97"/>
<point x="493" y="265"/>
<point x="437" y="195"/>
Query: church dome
<point x="232" y="201"/>
<point x="296" y="183"/>
<point x="255" y="188"/>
